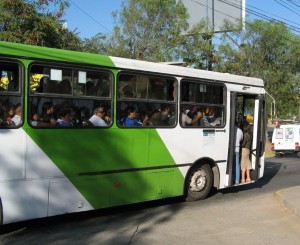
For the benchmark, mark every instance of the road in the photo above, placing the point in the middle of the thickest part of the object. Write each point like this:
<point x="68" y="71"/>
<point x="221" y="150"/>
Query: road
<point x="247" y="214"/>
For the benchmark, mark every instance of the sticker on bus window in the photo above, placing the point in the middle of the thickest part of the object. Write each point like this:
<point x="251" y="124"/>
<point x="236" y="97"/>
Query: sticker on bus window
<point x="56" y="75"/>
<point x="82" y="77"/>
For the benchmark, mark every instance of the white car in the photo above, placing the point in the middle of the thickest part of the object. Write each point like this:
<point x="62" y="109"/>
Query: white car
<point x="286" y="139"/>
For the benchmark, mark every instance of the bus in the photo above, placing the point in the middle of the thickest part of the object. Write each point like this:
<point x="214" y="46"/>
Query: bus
<point x="55" y="159"/>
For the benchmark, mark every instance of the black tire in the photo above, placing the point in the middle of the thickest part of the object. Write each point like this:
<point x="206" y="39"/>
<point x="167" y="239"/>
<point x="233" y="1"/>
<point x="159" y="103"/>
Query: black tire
<point x="198" y="183"/>
<point x="278" y="155"/>
<point x="298" y="154"/>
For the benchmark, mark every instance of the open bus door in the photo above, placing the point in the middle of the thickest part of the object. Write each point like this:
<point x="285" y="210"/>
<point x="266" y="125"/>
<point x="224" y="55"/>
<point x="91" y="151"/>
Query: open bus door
<point x="259" y="137"/>
<point x="253" y="109"/>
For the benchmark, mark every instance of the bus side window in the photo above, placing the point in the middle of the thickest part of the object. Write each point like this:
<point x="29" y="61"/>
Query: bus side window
<point x="10" y="103"/>
<point x="153" y="98"/>
<point x="205" y="98"/>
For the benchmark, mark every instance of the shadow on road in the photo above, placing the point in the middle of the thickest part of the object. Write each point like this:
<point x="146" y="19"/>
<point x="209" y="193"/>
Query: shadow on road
<point x="272" y="167"/>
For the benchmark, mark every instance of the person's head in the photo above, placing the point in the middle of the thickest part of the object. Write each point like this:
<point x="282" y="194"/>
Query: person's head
<point x="210" y="111"/>
<point x="18" y="109"/>
<point x="99" y="111"/>
<point x="47" y="108"/>
<point x="9" y="109"/>
<point x="165" y="108"/>
<point x="132" y="112"/>
<point x="65" y="114"/>
<point x="195" y="108"/>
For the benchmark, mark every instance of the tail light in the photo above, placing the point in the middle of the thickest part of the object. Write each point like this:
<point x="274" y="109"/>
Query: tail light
<point x="297" y="146"/>
<point x="273" y="146"/>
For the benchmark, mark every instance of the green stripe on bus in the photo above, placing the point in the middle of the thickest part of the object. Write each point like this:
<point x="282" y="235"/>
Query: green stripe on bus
<point x="32" y="52"/>
<point x="82" y="150"/>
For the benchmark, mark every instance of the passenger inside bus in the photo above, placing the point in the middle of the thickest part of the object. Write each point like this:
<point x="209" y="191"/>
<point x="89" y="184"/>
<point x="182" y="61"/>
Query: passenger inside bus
<point x="17" y="119"/>
<point x="65" y="117"/>
<point x="99" y="119"/>
<point x="8" y="110"/>
<point x="190" y="116"/>
<point x="132" y="118"/>
<point x="47" y="115"/>
<point x="161" y="117"/>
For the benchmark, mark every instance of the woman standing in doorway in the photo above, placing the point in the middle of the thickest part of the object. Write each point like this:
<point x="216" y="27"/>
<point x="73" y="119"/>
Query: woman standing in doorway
<point x="245" y="162"/>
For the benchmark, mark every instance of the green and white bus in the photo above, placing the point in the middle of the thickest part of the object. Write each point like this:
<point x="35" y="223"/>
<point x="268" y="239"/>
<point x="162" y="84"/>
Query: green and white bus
<point x="48" y="169"/>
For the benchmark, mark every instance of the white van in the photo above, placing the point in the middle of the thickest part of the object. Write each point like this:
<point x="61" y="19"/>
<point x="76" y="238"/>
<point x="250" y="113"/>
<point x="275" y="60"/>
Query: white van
<point x="286" y="139"/>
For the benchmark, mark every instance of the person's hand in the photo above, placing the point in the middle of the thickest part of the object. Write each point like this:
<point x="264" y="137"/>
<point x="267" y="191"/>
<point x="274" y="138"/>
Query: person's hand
<point x="146" y="118"/>
<point x="52" y="121"/>
<point x="35" y="117"/>
<point x="199" y="114"/>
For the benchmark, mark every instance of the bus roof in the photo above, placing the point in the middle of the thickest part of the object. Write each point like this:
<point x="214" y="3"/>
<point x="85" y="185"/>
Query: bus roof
<point x="17" y="50"/>
<point x="179" y="71"/>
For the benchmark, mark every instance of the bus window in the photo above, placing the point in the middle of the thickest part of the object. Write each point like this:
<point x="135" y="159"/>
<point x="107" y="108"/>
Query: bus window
<point x="11" y="107"/>
<point x="69" y="97"/>
<point x="202" y="104"/>
<point x="144" y="96"/>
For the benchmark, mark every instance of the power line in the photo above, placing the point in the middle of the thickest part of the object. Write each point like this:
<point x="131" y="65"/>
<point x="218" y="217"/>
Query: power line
<point x="274" y="15"/>
<point x="295" y="3"/>
<point x="262" y="15"/>
<point x="92" y="18"/>
<point x="285" y="6"/>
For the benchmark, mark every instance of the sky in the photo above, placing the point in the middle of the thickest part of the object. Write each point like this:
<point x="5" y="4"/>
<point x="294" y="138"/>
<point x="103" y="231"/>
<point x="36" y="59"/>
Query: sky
<point x="90" y="17"/>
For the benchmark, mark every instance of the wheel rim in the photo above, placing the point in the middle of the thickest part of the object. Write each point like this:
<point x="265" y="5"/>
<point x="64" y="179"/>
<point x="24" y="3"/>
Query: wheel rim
<point x="198" y="180"/>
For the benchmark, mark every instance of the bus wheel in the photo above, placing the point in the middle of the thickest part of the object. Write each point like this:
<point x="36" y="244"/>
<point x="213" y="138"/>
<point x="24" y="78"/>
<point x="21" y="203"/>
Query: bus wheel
<point x="199" y="182"/>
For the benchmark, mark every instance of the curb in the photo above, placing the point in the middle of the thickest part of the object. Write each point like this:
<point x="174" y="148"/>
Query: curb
<point x="290" y="198"/>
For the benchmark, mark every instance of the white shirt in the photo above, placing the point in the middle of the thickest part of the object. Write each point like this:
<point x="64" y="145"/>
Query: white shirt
<point x="185" y="119"/>
<point x="16" y="119"/>
<point x="97" y="121"/>
<point x="238" y="135"/>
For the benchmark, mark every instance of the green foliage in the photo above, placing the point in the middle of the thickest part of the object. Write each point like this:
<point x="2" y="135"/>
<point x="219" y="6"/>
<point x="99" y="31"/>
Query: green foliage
<point x="268" y="50"/>
<point x="149" y="30"/>
<point x="158" y="30"/>
<point x="153" y="30"/>
<point x="29" y="22"/>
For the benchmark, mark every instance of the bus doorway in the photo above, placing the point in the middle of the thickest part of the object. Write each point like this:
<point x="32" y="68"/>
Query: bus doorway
<point x="253" y="110"/>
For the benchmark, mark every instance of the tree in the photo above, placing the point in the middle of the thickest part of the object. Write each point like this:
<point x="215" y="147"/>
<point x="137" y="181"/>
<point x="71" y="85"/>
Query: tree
<point x="155" y="30"/>
<point x="30" y="22"/>
<point x="268" y="50"/>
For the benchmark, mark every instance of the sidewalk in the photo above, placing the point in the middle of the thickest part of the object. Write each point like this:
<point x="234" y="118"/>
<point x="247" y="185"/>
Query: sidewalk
<point x="290" y="198"/>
